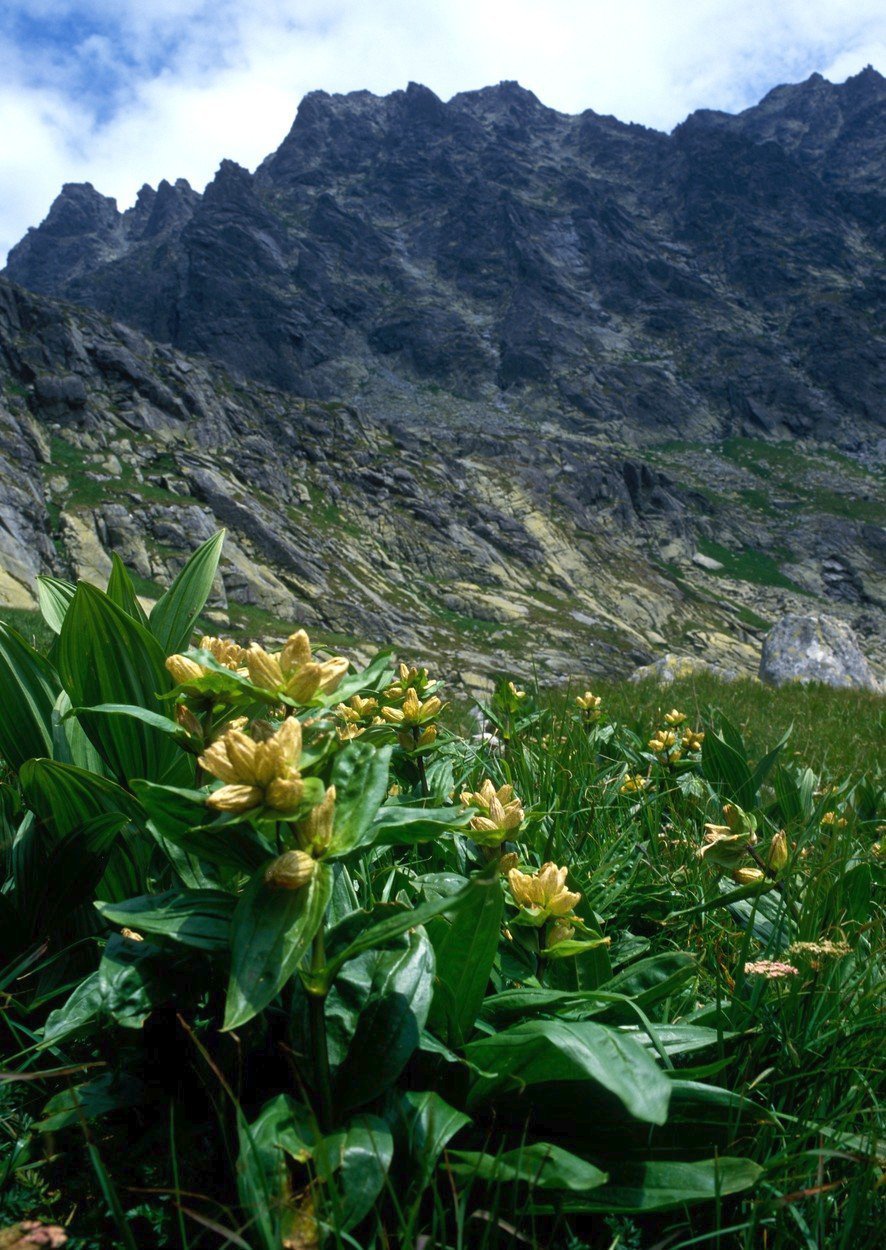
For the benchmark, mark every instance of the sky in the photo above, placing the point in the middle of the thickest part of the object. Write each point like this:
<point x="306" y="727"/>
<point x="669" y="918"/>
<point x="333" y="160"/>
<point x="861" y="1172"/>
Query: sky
<point x="123" y="92"/>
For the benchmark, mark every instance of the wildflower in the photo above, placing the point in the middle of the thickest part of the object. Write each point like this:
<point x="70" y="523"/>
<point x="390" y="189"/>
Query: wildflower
<point x="290" y="871"/>
<point x="692" y="739"/>
<point x="517" y="694"/>
<point x="293" y="672"/>
<point x="559" y="931"/>
<point x="724" y="846"/>
<point x="410" y="743"/>
<point x="186" y="718"/>
<point x="256" y="774"/>
<point x="132" y="935"/>
<point x="315" y="831"/>
<point x="590" y="705"/>
<point x="500" y="812"/>
<point x="663" y="741"/>
<point x="833" y="821"/>
<point x="543" y="891"/>
<point x="738" y="820"/>
<point x="748" y="876"/>
<point x="408" y="679"/>
<point x="674" y="717"/>
<point x="413" y="711"/>
<point x="633" y="783"/>
<point x="507" y="862"/>
<point x="772" y="969"/>
<point x="225" y="652"/>
<point x="814" y="953"/>
<point x="777" y="852"/>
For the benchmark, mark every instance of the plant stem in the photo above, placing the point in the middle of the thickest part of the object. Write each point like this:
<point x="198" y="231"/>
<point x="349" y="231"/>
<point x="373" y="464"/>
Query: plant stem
<point x="420" y="763"/>
<point x="319" y="1047"/>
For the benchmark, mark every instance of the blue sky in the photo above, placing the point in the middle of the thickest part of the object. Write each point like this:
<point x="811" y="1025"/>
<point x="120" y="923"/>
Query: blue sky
<point x="122" y="92"/>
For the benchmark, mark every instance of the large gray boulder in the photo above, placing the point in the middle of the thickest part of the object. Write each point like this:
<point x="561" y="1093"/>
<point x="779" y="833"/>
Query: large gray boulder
<point x="815" y="648"/>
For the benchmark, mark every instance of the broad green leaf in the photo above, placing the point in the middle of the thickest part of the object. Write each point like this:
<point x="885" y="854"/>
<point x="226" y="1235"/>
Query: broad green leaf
<point x="174" y="615"/>
<point x="375" y="1014"/>
<point x="104" y="656"/>
<point x="649" y="981"/>
<point x="360" y="777"/>
<point x="540" y="1165"/>
<point x="657" y="1186"/>
<point x="430" y="1124"/>
<point x="198" y="918"/>
<point x="465" y="946"/>
<point x="675" y="1039"/>
<point x="29" y="687"/>
<point x="122" y="592"/>
<point x="410" y="917"/>
<point x="111" y="1091"/>
<point x="69" y="743"/>
<point x="271" y="934"/>
<point x="54" y="597"/>
<point x="403" y="826"/>
<point x="178" y="817"/>
<point x="64" y="796"/>
<point x="282" y="1127"/>
<point x="77" y="1014"/>
<point x="726" y="768"/>
<point x="156" y="720"/>
<point x="377" y="674"/>
<point x="73" y="869"/>
<point x="585" y="1056"/>
<point x="354" y="1165"/>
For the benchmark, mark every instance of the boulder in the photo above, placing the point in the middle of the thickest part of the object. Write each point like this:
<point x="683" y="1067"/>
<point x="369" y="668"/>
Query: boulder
<point x="815" y="648"/>
<point x="671" y="668"/>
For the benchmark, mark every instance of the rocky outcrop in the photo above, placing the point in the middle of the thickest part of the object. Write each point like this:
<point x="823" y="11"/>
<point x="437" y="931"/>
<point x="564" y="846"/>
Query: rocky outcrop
<point x="815" y="649"/>
<point x="487" y="258"/>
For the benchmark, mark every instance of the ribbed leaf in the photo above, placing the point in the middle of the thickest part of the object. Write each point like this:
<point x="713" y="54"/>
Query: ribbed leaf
<point x="122" y="592"/>
<point x="174" y="614"/>
<point x="104" y="656"/>
<point x="54" y="597"/>
<point x="65" y="797"/>
<point x="29" y="687"/>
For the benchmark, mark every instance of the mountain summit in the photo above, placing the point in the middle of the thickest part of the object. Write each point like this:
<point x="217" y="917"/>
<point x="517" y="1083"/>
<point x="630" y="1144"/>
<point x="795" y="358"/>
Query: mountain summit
<point x="602" y="389"/>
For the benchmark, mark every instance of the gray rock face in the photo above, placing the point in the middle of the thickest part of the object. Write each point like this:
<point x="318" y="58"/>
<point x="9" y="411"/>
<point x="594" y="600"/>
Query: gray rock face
<point x="815" y="648"/>
<point x="722" y="280"/>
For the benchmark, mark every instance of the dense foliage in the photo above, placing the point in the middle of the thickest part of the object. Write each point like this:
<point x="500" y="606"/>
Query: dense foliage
<point x="285" y="963"/>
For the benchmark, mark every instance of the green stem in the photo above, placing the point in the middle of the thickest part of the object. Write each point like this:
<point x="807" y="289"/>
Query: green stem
<point x="420" y="763"/>
<point x="319" y="1046"/>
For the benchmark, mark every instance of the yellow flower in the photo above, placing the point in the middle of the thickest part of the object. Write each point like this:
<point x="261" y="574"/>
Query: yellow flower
<point x="778" y="851"/>
<point x="256" y="774"/>
<point x="290" y="871"/>
<point x="413" y="711"/>
<point x="518" y="694"/>
<point x="633" y="783"/>
<point x="560" y="931"/>
<point x="674" y="717"/>
<point x="315" y="831"/>
<point x="409" y="678"/>
<point x="725" y="848"/>
<point x="501" y="811"/>
<point x="590" y="704"/>
<point x="543" y="891"/>
<point x="293" y="672"/>
<point x="223" y="650"/>
<point x="692" y="740"/>
<point x="834" y="821"/>
<point x="748" y="876"/>
<point x="424" y="739"/>
<point x="663" y="741"/>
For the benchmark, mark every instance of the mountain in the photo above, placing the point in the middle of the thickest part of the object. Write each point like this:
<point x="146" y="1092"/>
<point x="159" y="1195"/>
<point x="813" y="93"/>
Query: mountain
<point x="488" y="378"/>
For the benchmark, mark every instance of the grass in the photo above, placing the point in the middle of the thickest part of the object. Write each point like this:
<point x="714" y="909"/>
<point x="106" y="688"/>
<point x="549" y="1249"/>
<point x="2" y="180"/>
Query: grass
<point x="747" y="565"/>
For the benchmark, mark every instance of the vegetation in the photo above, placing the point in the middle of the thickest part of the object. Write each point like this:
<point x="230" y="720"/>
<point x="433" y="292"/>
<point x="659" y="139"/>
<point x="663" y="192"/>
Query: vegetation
<point x="287" y="963"/>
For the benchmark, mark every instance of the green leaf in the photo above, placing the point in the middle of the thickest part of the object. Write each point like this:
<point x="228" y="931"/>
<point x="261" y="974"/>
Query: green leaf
<point x="403" y="826"/>
<point x="198" y="918"/>
<point x="64" y="796"/>
<point x="410" y="917"/>
<point x="585" y="1056"/>
<point x="174" y="615"/>
<point x="122" y="592"/>
<point x="540" y="1165"/>
<point x="156" y="720"/>
<point x="360" y="777"/>
<point x="54" y="597"/>
<point x="104" y="656"/>
<point x="69" y="743"/>
<point x="178" y="817"/>
<point x="375" y="1014"/>
<point x="657" y="1186"/>
<point x="74" y="1016"/>
<point x="649" y="981"/>
<point x="110" y="1092"/>
<point x="29" y="687"/>
<point x="465" y="946"/>
<point x="73" y="869"/>
<point x="271" y="933"/>
<point x="727" y="770"/>
<point x="430" y="1124"/>
<point x="354" y="1165"/>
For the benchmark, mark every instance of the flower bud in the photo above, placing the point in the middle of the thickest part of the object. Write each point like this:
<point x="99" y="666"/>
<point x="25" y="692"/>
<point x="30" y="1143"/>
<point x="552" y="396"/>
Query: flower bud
<point x="777" y="853"/>
<point x="748" y="876"/>
<point x="290" y="871"/>
<point x="182" y="669"/>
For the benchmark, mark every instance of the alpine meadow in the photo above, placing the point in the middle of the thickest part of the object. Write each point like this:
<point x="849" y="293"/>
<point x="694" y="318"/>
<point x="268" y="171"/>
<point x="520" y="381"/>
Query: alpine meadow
<point x="442" y="642"/>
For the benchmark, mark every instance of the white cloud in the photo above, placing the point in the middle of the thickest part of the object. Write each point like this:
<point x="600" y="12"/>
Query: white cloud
<point x="189" y="82"/>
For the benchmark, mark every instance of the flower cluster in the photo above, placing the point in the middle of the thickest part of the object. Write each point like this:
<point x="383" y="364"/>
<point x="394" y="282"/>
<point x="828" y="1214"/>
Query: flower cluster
<point x="500" y="812"/>
<point x="294" y="673"/>
<point x="670" y="743"/>
<point x="257" y="774"/>
<point x="771" y="969"/>
<point x="634" y="783"/>
<point x="589" y="705"/>
<point x="225" y="652"/>
<point x="544" y="899"/>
